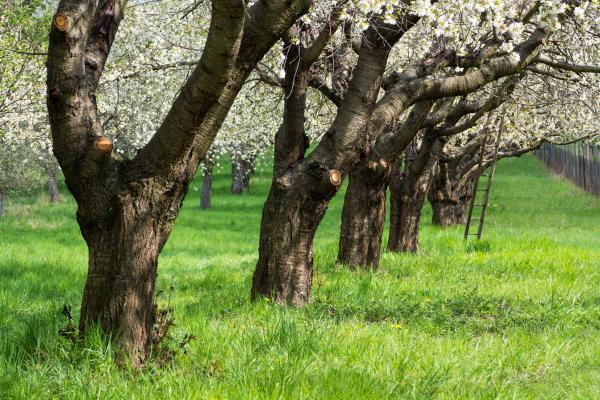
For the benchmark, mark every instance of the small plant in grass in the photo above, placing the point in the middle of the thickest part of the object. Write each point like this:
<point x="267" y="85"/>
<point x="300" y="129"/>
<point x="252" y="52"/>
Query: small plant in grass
<point x="165" y="346"/>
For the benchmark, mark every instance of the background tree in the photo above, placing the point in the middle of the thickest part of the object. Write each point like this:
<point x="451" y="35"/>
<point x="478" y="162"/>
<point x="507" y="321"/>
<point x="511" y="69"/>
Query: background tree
<point x="474" y="54"/>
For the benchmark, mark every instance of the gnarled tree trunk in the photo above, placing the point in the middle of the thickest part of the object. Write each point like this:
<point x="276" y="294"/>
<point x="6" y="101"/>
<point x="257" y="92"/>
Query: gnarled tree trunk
<point x="290" y="219"/>
<point x="461" y="210"/>
<point x="444" y="213"/>
<point x="126" y="208"/>
<point x="409" y="190"/>
<point x="363" y="217"/>
<point x="123" y="255"/>
<point x="450" y="195"/>
<point x="302" y="188"/>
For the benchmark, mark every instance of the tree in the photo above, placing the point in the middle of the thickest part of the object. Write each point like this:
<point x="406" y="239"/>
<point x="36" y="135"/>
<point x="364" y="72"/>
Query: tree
<point x="127" y="206"/>
<point x="23" y="119"/>
<point x="16" y="170"/>
<point x="304" y="184"/>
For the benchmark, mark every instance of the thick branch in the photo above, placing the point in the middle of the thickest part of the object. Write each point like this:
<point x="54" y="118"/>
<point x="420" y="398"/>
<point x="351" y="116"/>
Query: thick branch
<point x="108" y="16"/>
<point x="188" y="132"/>
<point x="398" y="98"/>
<point x="313" y="52"/>
<point x="321" y="86"/>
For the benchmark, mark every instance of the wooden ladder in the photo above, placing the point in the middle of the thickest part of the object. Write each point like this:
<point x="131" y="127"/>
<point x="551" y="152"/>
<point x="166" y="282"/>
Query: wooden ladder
<point x="488" y="187"/>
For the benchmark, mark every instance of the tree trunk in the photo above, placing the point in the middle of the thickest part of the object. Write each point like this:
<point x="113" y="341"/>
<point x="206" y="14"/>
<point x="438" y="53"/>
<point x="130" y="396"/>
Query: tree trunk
<point x="410" y="208"/>
<point x="363" y="218"/>
<point x="452" y="208"/>
<point x="303" y="187"/>
<point x="241" y="170"/>
<point x="289" y="221"/>
<point x="409" y="198"/>
<point x="395" y="190"/>
<point x="123" y="254"/>
<point x="408" y="191"/>
<point x="53" y="188"/>
<point x="2" y="205"/>
<point x="444" y="213"/>
<point x="206" y="192"/>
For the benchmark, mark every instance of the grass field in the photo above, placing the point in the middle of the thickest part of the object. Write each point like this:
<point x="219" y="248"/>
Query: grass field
<point x="514" y="316"/>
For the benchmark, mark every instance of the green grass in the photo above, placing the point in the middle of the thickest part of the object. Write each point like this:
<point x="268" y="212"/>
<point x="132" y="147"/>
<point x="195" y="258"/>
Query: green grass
<point x="514" y="316"/>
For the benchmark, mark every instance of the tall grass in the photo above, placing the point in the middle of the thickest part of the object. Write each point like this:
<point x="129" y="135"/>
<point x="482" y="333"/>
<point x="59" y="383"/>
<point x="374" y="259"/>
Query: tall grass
<point x="514" y="316"/>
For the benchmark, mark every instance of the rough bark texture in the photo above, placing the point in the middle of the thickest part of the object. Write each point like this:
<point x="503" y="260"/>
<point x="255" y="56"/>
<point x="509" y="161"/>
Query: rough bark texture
<point x="285" y="265"/>
<point x="409" y="191"/>
<point x="444" y="213"/>
<point x="206" y="192"/>
<point x="451" y="191"/>
<point x="284" y="268"/>
<point x="363" y="217"/>
<point x="123" y="253"/>
<point x="241" y="171"/>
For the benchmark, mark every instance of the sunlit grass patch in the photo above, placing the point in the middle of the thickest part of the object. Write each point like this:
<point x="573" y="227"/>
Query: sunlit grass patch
<point x="515" y="315"/>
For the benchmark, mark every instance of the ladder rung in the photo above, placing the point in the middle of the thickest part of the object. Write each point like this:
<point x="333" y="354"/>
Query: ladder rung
<point x="472" y="234"/>
<point x="475" y="219"/>
<point x="480" y="205"/>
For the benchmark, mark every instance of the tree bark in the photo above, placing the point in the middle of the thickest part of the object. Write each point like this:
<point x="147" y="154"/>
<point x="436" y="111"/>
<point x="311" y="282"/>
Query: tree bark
<point x="206" y="192"/>
<point x="123" y="254"/>
<point x="288" y="225"/>
<point x="241" y="171"/>
<point x="289" y="221"/>
<point x="444" y="213"/>
<point x="363" y="218"/>
<point x="451" y="191"/>
<point x="461" y="211"/>
<point x="409" y="191"/>
<point x="53" y="188"/>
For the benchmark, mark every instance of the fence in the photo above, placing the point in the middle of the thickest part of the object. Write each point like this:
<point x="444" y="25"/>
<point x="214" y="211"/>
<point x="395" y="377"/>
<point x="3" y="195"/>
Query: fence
<point x="578" y="162"/>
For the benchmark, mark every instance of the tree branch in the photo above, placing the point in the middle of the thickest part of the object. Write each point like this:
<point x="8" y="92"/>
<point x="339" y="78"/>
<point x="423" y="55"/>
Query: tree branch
<point x="321" y="86"/>
<point x="107" y="18"/>
<point x="313" y="52"/>
<point x="578" y="68"/>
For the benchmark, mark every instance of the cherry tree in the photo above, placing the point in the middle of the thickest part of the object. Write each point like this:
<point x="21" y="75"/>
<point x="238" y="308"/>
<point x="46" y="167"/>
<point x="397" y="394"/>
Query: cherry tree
<point x="473" y="44"/>
<point x="127" y="205"/>
<point x="23" y="118"/>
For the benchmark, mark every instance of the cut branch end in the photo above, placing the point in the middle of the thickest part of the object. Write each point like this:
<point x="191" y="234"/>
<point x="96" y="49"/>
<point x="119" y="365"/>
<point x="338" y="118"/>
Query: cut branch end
<point x="103" y="144"/>
<point x="61" y="22"/>
<point x="335" y="177"/>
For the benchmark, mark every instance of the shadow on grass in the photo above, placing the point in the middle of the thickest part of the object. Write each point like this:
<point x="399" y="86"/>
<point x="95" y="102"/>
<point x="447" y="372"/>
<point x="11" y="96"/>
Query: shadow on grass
<point x="469" y="313"/>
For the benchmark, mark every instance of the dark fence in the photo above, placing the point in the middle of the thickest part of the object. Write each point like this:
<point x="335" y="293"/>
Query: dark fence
<point x="578" y="162"/>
